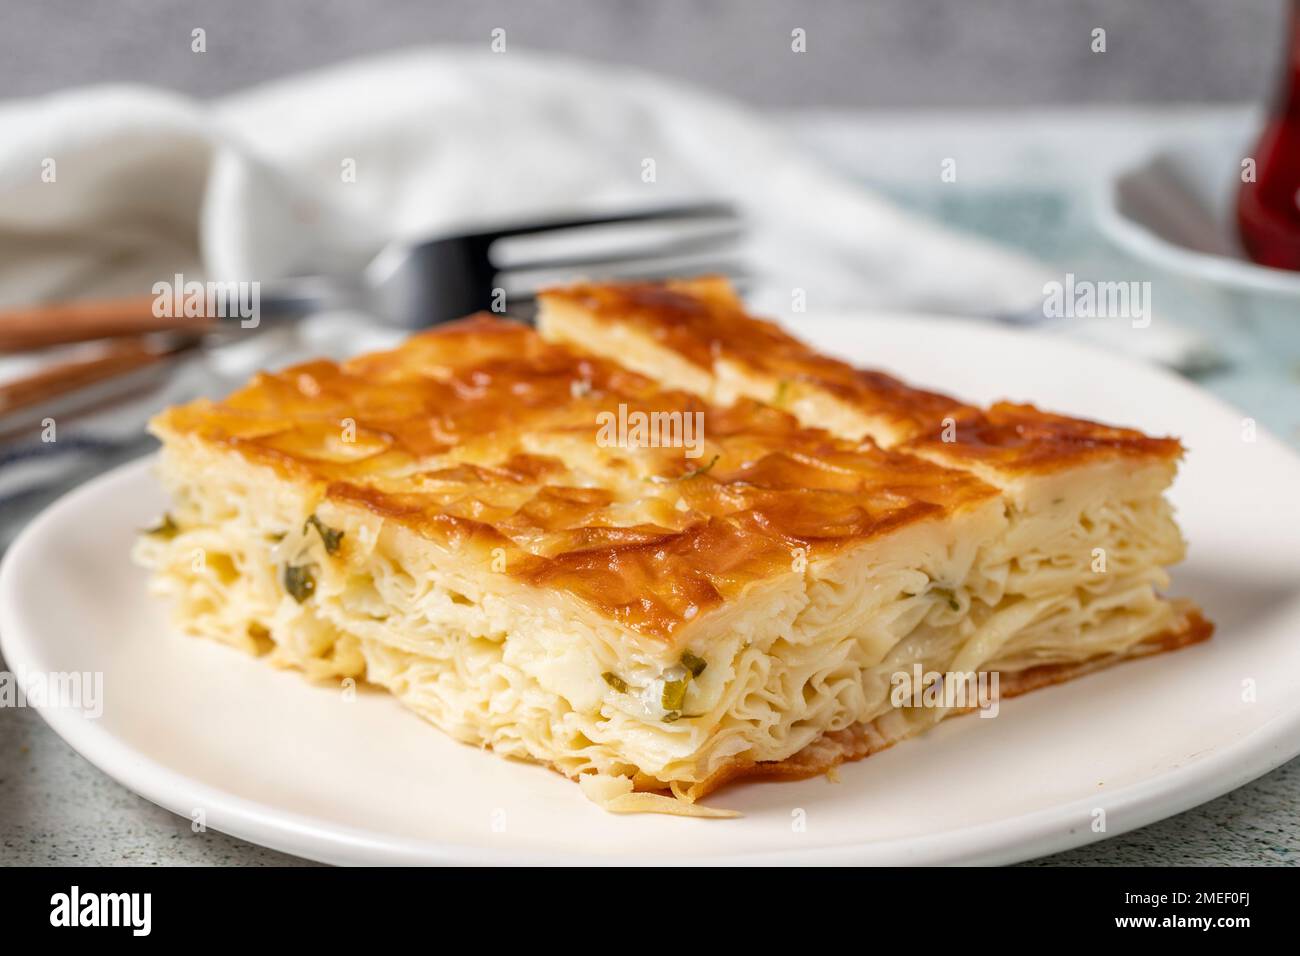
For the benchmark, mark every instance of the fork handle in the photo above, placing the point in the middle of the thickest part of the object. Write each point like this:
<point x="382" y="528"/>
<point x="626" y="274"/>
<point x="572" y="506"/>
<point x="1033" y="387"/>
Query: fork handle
<point x="36" y="327"/>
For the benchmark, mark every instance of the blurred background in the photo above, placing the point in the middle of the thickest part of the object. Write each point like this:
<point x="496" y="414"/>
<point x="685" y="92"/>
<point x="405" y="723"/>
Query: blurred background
<point x="884" y="53"/>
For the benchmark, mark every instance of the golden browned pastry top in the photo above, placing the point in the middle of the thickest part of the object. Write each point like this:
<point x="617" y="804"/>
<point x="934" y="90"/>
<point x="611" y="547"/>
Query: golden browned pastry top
<point x="481" y="435"/>
<point x="704" y="322"/>
<point x="1012" y="439"/>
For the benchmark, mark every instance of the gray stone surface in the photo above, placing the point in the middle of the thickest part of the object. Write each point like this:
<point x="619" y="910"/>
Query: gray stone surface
<point x="1256" y="825"/>
<point x="861" y="53"/>
<point x="57" y="809"/>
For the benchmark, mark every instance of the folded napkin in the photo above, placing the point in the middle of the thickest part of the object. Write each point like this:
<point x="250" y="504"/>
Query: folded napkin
<point x="108" y="190"/>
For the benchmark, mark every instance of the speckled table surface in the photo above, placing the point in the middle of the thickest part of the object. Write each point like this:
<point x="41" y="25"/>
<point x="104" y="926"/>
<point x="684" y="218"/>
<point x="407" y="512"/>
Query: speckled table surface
<point x="55" y="808"/>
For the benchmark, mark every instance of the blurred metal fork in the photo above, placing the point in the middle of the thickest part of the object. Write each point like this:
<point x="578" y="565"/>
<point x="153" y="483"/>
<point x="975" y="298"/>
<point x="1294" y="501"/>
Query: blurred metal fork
<point x="413" y="285"/>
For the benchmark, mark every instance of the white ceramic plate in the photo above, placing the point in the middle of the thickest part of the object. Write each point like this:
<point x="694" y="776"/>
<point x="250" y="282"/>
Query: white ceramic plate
<point x="266" y="756"/>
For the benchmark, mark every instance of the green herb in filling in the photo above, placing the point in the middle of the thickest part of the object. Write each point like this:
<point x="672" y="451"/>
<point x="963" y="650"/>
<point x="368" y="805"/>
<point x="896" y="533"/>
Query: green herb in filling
<point x="693" y="664"/>
<point x="696" y="472"/>
<point x="165" y="528"/>
<point x="693" y="473"/>
<point x="674" y="694"/>
<point x="327" y="534"/>
<point x="672" y="717"/>
<point x="614" y="681"/>
<point x="299" y="581"/>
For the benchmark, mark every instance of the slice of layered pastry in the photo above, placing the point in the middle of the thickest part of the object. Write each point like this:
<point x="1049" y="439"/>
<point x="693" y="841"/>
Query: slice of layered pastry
<point x="656" y="583"/>
<point x="546" y="554"/>
<point x="1073" y="581"/>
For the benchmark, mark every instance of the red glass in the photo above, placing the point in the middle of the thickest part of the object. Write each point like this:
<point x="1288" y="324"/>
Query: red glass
<point x="1268" y="210"/>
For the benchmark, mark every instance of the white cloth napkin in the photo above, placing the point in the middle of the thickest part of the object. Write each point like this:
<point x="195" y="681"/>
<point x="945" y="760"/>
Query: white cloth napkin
<point x="107" y="190"/>
<point x="253" y="186"/>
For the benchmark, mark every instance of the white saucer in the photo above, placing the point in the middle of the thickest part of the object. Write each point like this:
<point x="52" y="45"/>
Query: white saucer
<point x="1176" y="209"/>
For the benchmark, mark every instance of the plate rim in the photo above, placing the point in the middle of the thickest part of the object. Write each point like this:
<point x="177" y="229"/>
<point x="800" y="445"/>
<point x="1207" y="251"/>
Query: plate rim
<point x="1025" y="836"/>
<point x="1135" y="237"/>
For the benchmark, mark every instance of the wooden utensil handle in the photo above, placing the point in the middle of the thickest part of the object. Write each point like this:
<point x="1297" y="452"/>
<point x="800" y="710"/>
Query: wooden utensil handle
<point x="38" y="326"/>
<point x="65" y="377"/>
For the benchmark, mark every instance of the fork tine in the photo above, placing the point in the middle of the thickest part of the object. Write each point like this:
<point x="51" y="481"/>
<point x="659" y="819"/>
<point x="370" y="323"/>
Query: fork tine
<point x="445" y="278"/>
<point x="676" y="248"/>
<point x="709" y="210"/>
